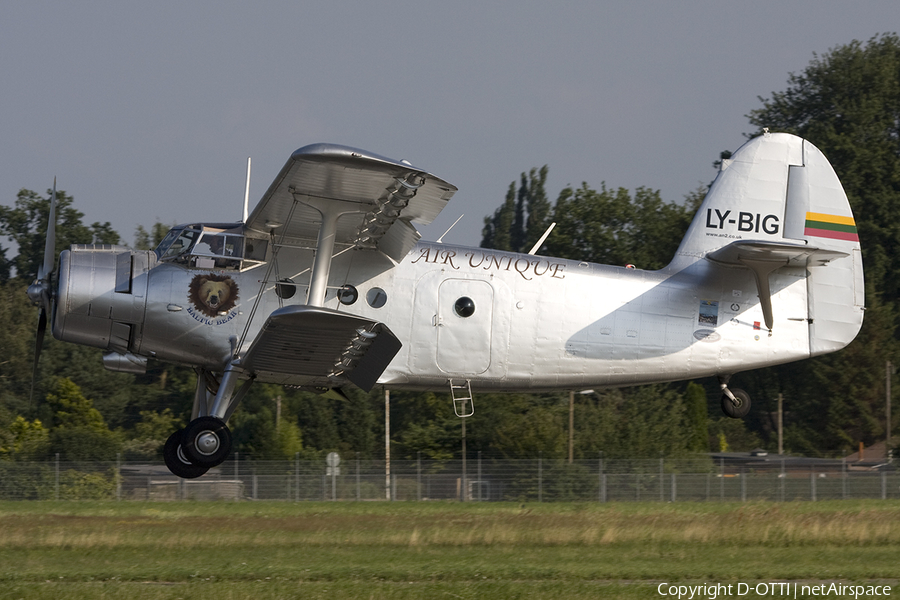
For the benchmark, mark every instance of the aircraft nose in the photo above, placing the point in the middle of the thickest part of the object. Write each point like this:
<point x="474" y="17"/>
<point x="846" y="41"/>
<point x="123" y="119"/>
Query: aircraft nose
<point x="98" y="301"/>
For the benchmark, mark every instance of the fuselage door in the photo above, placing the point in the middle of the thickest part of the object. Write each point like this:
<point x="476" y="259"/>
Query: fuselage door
<point x="464" y="326"/>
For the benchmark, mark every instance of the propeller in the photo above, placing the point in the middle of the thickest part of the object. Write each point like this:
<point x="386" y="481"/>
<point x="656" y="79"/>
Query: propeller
<point x="41" y="291"/>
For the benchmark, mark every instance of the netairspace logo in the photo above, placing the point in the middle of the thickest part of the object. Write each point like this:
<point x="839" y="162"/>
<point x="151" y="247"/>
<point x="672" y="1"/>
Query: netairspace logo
<point x="785" y="589"/>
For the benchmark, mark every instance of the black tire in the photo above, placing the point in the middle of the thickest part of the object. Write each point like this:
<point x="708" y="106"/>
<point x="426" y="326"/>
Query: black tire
<point x="207" y="441"/>
<point x="740" y="410"/>
<point x="177" y="463"/>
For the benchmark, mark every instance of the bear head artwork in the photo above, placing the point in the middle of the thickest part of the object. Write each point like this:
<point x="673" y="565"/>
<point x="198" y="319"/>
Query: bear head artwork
<point x="213" y="294"/>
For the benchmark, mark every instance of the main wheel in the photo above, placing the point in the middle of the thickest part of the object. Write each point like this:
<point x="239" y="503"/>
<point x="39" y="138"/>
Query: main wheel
<point x="207" y="441"/>
<point x="177" y="462"/>
<point x="739" y="410"/>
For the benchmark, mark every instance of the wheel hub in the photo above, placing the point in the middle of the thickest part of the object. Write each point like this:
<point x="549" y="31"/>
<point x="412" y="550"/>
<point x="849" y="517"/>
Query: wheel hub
<point x="207" y="443"/>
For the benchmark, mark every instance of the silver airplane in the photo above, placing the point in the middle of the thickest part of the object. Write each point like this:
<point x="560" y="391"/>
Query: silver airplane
<point x="326" y="284"/>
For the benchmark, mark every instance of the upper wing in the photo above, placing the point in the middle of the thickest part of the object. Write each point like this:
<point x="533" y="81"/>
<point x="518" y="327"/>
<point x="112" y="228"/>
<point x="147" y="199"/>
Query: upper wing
<point x="390" y="196"/>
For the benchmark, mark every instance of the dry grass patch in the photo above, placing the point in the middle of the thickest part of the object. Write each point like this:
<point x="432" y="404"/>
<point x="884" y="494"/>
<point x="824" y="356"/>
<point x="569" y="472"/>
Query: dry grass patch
<point x="411" y="525"/>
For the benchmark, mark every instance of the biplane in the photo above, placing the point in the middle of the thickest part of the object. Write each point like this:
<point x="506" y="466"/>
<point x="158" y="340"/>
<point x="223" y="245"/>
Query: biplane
<point x="327" y="284"/>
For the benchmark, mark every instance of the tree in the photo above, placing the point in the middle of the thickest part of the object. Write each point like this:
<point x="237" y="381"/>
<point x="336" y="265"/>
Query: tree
<point x="24" y="438"/>
<point x="497" y="228"/>
<point x="697" y="416"/>
<point x="18" y="322"/>
<point x="522" y="218"/>
<point x="612" y="227"/>
<point x="26" y="225"/>
<point x="538" y="432"/>
<point x="264" y="426"/>
<point x="847" y="103"/>
<point x="424" y="423"/>
<point x="148" y="240"/>
<point x="150" y="434"/>
<point x="356" y="423"/>
<point x="533" y="196"/>
<point x="79" y="431"/>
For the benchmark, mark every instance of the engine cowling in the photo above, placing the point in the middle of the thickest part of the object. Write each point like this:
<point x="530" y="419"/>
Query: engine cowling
<point x="101" y="296"/>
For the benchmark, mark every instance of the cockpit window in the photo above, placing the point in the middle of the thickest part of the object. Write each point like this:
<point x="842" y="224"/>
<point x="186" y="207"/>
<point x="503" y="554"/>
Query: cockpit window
<point x="182" y="243"/>
<point x="218" y="245"/>
<point x="212" y="248"/>
<point x="166" y="242"/>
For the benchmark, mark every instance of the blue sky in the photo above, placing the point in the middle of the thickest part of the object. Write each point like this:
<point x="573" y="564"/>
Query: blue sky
<point x="148" y="111"/>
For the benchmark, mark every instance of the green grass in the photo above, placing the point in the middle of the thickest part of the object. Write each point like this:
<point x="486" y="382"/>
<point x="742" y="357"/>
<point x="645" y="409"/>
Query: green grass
<point x="434" y="549"/>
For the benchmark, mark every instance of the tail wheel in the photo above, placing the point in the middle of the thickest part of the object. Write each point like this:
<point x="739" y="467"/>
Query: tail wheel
<point x="207" y="441"/>
<point x="737" y="410"/>
<point x="177" y="462"/>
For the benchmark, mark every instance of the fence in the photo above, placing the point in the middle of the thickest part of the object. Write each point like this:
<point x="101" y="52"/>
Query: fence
<point x="532" y="480"/>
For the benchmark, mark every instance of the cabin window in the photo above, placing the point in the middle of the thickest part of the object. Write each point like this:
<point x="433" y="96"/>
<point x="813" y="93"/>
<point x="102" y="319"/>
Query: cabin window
<point x="376" y="297"/>
<point x="464" y="307"/>
<point x="347" y="295"/>
<point x="285" y="289"/>
<point x="215" y="250"/>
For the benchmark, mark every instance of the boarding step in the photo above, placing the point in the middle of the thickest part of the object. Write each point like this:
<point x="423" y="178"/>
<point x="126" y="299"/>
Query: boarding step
<point x="462" y="399"/>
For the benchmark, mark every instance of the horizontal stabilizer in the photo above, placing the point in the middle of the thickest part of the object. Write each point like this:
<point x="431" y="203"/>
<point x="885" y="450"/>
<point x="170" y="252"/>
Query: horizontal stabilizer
<point x="787" y="253"/>
<point x="763" y="258"/>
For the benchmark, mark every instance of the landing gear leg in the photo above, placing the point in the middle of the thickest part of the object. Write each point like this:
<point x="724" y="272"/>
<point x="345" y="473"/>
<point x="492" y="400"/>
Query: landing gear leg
<point x="736" y="402"/>
<point x="206" y="441"/>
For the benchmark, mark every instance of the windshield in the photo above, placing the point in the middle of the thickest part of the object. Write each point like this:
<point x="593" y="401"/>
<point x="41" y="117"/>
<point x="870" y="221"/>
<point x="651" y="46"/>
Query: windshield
<point x="166" y="242"/>
<point x="177" y="242"/>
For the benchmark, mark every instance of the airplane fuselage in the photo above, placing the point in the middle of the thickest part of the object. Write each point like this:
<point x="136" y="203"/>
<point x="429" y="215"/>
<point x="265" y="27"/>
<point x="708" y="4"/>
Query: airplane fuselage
<point x="536" y="323"/>
<point x="774" y="231"/>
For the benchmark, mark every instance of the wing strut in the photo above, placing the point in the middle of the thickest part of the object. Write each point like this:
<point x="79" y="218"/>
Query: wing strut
<point x="331" y="211"/>
<point x="375" y="225"/>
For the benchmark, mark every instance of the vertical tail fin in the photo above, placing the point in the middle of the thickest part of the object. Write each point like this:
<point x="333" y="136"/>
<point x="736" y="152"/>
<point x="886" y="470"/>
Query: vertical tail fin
<point x="778" y="202"/>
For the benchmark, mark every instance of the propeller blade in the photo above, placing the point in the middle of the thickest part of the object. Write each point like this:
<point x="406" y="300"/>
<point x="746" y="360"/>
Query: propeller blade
<point x="40" y="292"/>
<point x="38" y="345"/>
<point x="50" y="243"/>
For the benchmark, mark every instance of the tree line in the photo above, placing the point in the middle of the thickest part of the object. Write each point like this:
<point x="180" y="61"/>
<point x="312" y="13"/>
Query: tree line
<point x="846" y="102"/>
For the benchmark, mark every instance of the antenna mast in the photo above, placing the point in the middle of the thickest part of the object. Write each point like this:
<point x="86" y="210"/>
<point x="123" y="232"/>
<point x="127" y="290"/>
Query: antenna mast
<point x="440" y="240"/>
<point x="247" y="192"/>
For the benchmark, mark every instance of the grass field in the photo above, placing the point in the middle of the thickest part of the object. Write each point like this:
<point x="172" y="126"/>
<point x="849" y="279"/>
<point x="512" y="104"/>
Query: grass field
<point x="435" y="550"/>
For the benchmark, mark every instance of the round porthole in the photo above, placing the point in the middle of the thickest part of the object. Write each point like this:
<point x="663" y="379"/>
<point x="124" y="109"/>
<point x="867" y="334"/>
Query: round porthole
<point x="376" y="297"/>
<point x="347" y="295"/>
<point x="285" y="288"/>
<point x="464" y="307"/>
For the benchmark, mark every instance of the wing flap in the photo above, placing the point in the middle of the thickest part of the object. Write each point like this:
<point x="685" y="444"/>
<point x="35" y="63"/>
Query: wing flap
<point x="314" y="346"/>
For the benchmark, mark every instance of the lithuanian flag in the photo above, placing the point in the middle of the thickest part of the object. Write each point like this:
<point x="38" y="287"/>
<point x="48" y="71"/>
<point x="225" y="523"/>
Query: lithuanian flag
<point x="831" y="226"/>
